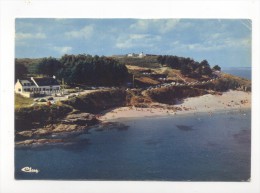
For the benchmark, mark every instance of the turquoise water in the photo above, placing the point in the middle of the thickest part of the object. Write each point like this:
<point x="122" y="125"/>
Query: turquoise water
<point x="178" y="148"/>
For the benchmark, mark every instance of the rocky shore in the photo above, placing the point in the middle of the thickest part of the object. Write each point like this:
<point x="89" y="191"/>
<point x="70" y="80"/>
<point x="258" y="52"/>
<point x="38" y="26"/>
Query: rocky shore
<point x="72" y="123"/>
<point x="77" y="122"/>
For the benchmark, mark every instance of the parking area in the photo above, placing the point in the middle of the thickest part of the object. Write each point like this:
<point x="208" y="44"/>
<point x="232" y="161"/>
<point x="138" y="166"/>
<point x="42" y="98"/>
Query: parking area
<point x="65" y="95"/>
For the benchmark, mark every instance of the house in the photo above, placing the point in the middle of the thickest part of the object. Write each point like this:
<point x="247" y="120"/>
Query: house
<point x="132" y="55"/>
<point x="37" y="86"/>
<point x="141" y="55"/>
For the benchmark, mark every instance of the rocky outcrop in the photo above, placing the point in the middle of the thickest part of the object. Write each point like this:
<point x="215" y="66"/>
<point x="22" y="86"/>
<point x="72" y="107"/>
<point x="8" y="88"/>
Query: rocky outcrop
<point x="84" y="119"/>
<point x="39" y="141"/>
<point x="71" y="123"/>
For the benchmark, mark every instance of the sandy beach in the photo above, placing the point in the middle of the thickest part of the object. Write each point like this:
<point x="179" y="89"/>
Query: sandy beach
<point x="230" y="100"/>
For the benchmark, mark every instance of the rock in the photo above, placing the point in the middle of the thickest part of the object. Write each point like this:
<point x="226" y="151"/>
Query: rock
<point x="71" y="123"/>
<point x="45" y="130"/>
<point x="82" y="119"/>
<point x="26" y="133"/>
<point x="68" y="128"/>
<point x="39" y="141"/>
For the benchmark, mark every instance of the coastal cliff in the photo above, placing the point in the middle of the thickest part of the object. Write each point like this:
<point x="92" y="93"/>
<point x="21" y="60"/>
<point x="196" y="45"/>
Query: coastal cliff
<point x="73" y="115"/>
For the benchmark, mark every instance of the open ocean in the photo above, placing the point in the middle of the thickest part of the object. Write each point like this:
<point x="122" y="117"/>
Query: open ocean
<point x="244" y="72"/>
<point x="194" y="147"/>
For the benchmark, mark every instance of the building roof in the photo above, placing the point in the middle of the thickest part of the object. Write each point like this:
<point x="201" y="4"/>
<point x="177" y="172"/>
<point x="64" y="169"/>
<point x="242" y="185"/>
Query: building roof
<point x="26" y="82"/>
<point x="46" y="81"/>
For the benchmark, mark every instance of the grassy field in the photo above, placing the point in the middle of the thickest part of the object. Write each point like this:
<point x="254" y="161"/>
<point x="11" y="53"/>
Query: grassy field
<point x="21" y="101"/>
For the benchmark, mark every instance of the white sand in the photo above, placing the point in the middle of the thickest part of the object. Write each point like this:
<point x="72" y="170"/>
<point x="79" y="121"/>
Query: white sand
<point x="206" y="103"/>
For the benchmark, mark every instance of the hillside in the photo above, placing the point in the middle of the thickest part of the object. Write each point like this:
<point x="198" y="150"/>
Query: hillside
<point x="29" y="63"/>
<point x="146" y="62"/>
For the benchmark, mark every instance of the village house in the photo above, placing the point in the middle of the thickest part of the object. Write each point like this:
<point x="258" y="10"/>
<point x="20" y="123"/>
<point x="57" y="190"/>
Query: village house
<point x="32" y="87"/>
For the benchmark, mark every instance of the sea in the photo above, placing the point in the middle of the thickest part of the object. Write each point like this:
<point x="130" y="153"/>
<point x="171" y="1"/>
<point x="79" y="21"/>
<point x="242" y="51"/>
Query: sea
<point x="194" y="147"/>
<point x="244" y="72"/>
<point x="191" y="147"/>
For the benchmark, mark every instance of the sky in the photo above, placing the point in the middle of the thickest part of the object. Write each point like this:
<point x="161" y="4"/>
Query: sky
<point x="223" y="42"/>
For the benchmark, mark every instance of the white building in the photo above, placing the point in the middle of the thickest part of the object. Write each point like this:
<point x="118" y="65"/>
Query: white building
<point x="37" y="86"/>
<point x="132" y="55"/>
<point x="141" y="55"/>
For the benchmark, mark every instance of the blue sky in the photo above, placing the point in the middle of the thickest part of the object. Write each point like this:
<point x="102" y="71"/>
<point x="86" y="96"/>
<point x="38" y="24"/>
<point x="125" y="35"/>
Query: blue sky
<point x="226" y="42"/>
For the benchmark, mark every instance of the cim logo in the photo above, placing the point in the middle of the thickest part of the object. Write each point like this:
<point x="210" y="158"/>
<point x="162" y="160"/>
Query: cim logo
<point x="30" y="170"/>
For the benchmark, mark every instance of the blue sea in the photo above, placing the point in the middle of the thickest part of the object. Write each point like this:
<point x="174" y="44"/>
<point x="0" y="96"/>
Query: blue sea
<point x="194" y="147"/>
<point x="244" y="72"/>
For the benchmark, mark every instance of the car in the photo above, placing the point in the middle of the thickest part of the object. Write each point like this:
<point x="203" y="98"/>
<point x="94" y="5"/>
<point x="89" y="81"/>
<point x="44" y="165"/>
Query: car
<point x="42" y="100"/>
<point x="50" y="98"/>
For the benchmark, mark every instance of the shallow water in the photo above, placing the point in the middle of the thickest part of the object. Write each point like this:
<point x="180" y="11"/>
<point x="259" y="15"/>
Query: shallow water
<point x="175" y="148"/>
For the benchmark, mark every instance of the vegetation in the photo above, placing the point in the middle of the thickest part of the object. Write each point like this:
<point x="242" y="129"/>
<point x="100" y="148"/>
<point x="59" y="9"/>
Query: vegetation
<point x="171" y="94"/>
<point x="147" y="61"/>
<point x="35" y="116"/>
<point x="188" y="66"/>
<point x="77" y="69"/>
<point x="227" y="82"/>
<point x="48" y="66"/>
<point x="20" y="70"/>
<point x="92" y="70"/>
<point x="98" y="101"/>
<point x="29" y="63"/>
<point x="216" y="67"/>
<point x="21" y="101"/>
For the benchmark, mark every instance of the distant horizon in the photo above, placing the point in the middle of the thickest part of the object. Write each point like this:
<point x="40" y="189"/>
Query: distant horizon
<point x="223" y="42"/>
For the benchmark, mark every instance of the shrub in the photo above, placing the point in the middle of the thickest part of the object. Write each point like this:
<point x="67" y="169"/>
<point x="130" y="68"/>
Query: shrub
<point x="169" y="95"/>
<point x="98" y="101"/>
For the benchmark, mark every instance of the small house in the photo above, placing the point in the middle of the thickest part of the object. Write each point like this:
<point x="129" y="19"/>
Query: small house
<point x="37" y="86"/>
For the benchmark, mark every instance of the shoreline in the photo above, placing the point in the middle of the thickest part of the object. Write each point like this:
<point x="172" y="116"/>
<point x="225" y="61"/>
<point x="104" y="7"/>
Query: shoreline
<point x="207" y="104"/>
<point x="230" y="100"/>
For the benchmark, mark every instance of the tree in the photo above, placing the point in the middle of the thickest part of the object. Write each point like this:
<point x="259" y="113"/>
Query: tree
<point x="216" y="67"/>
<point x="205" y="68"/>
<point x="185" y="69"/>
<point x="204" y="63"/>
<point x="20" y="70"/>
<point x="207" y="71"/>
<point x="92" y="70"/>
<point x="48" y="66"/>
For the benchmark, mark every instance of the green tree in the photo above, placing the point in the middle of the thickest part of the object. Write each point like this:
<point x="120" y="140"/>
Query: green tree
<point x="185" y="69"/>
<point x="48" y="66"/>
<point x="20" y="70"/>
<point x="205" y="68"/>
<point x="216" y="67"/>
<point x="92" y="70"/>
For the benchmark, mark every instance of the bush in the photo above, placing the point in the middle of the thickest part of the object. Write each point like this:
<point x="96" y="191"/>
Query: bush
<point x="169" y="95"/>
<point x="98" y="101"/>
